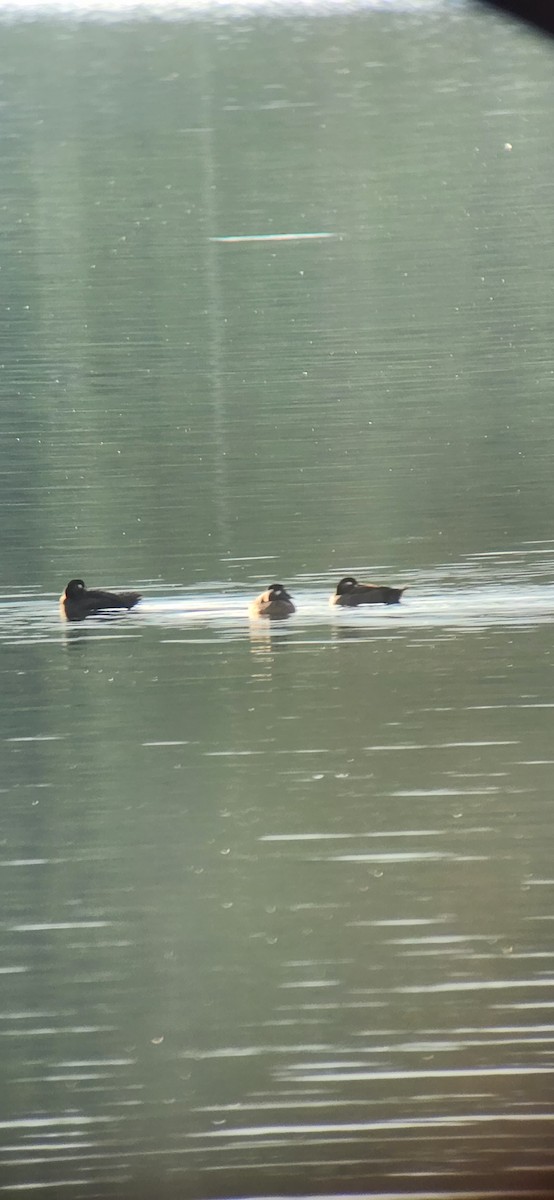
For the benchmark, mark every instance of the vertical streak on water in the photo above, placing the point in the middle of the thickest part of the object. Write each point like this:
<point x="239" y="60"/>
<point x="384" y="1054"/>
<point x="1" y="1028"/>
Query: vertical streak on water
<point x="213" y="282"/>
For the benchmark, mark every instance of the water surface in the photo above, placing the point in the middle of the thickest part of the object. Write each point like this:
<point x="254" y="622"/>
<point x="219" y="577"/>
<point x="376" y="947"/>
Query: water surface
<point x="277" y="899"/>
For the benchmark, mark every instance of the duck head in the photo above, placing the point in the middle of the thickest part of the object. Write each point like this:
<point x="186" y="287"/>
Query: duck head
<point x="346" y="585"/>
<point x="75" y="589"/>
<point x="276" y="591"/>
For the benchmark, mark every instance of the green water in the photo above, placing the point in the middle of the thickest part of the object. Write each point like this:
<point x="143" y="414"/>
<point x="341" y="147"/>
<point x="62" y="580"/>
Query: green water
<point x="277" y="900"/>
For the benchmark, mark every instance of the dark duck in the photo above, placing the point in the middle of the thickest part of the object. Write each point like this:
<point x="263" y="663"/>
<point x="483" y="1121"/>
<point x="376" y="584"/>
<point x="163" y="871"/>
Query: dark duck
<point x="350" y="593"/>
<point x="79" y="601"/>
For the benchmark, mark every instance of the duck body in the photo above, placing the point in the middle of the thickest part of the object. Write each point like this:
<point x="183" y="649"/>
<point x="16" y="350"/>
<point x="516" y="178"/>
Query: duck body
<point x="350" y="593"/>
<point x="79" y="602"/>
<point x="274" y="603"/>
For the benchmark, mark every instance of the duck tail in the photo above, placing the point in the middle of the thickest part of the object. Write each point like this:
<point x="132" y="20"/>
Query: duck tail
<point x="129" y="599"/>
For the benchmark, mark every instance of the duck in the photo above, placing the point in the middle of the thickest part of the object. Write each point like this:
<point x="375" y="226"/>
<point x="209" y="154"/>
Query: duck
<point x="350" y="593"/>
<point x="275" y="603"/>
<point x="78" y="602"/>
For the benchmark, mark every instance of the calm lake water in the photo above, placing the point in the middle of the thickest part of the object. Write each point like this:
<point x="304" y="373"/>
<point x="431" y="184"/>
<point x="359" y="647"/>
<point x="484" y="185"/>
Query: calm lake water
<point x="277" y="902"/>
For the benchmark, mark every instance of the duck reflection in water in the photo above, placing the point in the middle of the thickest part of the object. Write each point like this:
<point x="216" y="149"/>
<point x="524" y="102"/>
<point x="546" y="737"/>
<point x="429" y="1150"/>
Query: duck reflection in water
<point x="350" y="593"/>
<point x="79" y="602"/>
<point x="275" y="603"/>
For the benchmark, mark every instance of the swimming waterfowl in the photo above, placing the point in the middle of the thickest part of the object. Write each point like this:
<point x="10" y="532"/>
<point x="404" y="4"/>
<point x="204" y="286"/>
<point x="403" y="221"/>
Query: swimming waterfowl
<point x="79" y="602"/>
<point x="350" y="593"/>
<point x="275" y="603"/>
